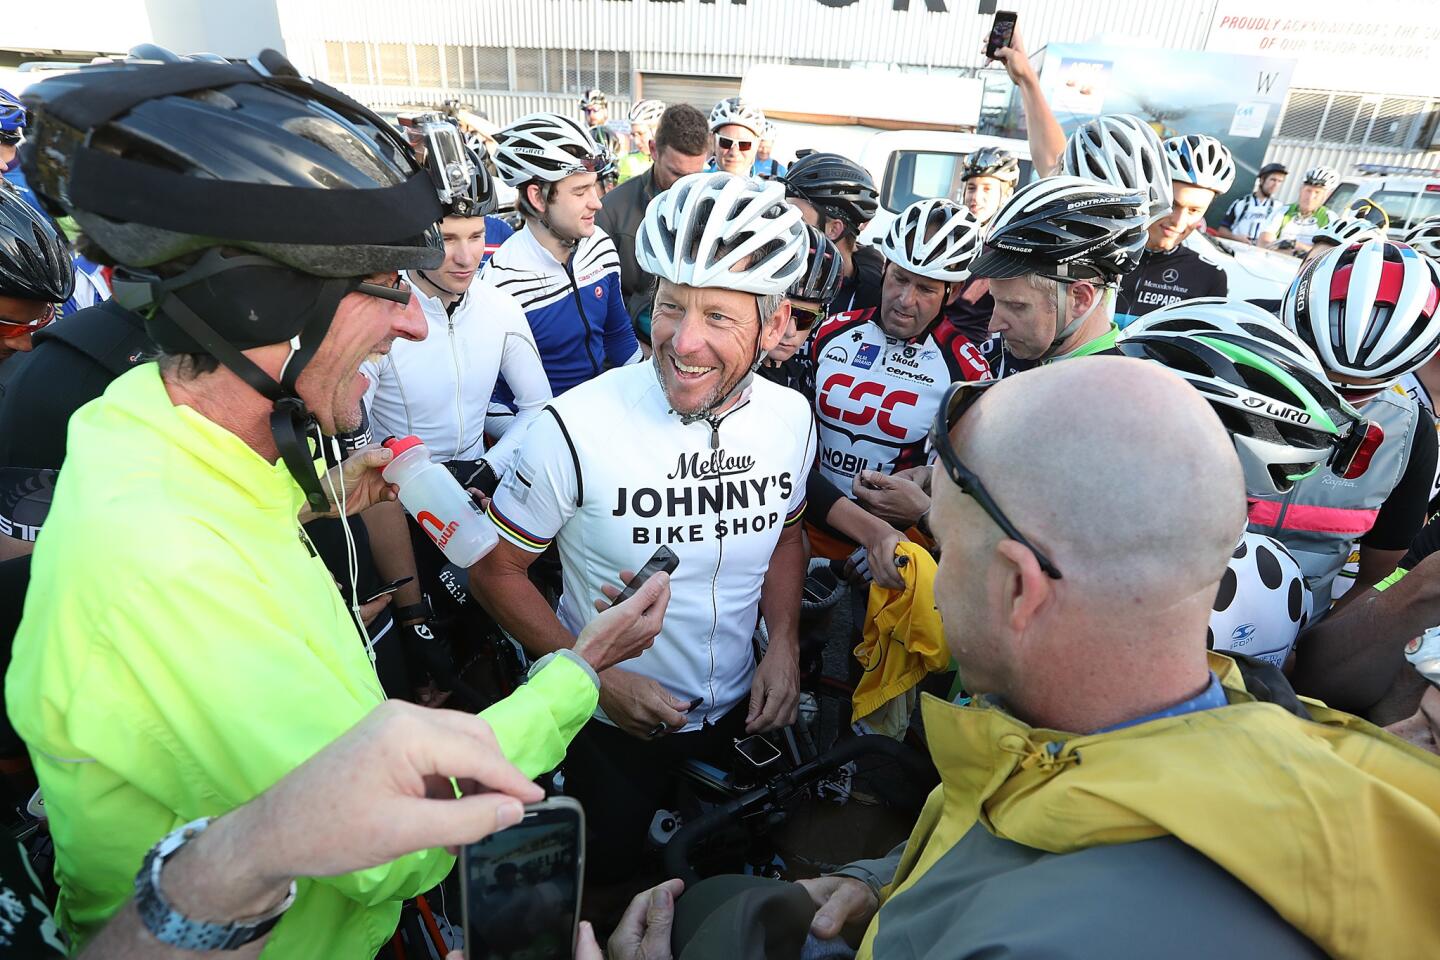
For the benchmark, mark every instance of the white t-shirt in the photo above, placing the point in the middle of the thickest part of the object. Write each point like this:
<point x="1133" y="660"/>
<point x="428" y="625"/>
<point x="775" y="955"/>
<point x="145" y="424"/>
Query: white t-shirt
<point x="609" y="473"/>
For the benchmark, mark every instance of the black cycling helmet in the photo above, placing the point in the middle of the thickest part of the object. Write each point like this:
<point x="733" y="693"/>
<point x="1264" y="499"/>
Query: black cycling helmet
<point x="289" y="192"/>
<point x="992" y="162"/>
<point x="34" y="258"/>
<point x="1066" y="228"/>
<point x="1270" y="168"/>
<point x="841" y="188"/>
<point x="824" y="270"/>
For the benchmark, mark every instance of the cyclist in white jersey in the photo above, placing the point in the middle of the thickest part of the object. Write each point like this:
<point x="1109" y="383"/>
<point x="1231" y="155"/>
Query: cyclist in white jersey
<point x="1287" y="423"/>
<point x="1247" y="216"/>
<point x="692" y="452"/>
<point x="439" y="388"/>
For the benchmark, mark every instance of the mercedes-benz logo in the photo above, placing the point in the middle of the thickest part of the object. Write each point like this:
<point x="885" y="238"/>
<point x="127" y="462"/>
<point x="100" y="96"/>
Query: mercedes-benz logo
<point x="1170" y="275"/>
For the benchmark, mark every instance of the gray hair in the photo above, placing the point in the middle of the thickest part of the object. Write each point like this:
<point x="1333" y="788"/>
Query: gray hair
<point x="769" y="303"/>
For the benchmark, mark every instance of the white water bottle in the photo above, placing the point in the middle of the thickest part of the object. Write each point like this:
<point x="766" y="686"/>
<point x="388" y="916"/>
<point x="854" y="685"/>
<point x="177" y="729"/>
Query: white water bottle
<point x="448" y="515"/>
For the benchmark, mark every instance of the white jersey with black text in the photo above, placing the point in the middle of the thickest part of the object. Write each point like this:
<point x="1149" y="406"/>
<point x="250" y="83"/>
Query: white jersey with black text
<point x="439" y="388"/>
<point x="1262" y="604"/>
<point x="609" y="474"/>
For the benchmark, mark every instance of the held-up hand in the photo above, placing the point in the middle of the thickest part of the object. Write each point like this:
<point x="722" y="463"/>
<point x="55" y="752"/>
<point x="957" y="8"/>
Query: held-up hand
<point x="626" y="630"/>
<point x="775" y="691"/>
<point x="1016" y="60"/>
<point x="383" y="790"/>
<point x="893" y="499"/>
<point x="638" y="705"/>
<point x="845" y="906"/>
<point x="363" y="487"/>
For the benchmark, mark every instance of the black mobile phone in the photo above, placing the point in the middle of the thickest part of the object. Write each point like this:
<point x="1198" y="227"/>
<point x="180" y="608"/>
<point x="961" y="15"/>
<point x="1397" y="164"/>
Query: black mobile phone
<point x="759" y="751"/>
<point x="390" y="587"/>
<point x="662" y="559"/>
<point x="1002" y="31"/>
<point x="521" y="887"/>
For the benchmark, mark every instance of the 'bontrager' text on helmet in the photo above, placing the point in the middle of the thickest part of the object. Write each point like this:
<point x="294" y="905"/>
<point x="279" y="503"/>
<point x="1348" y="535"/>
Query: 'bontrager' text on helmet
<point x="720" y="230"/>
<point x="1200" y="160"/>
<point x="734" y="110"/>
<point x="1067" y="228"/>
<point x="935" y="238"/>
<point x="546" y="147"/>
<point x="1124" y="152"/>
<point x="1370" y="310"/>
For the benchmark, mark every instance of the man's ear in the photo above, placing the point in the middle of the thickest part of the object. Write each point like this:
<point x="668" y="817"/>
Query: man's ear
<point x="536" y="199"/>
<point x="775" y="327"/>
<point x="834" y="229"/>
<point x="1028" y="589"/>
<point x="652" y="149"/>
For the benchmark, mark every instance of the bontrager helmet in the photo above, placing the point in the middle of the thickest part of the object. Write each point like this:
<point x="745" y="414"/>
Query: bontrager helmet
<point x="1284" y="418"/>
<point x="545" y="147"/>
<point x="1201" y="160"/>
<point x="1065" y="228"/>
<point x="1124" y="152"/>
<point x="992" y="162"/>
<point x="12" y="118"/>
<point x="1321" y="177"/>
<point x="1369" y="310"/>
<point x="824" y="270"/>
<point x="1425" y="237"/>
<point x="838" y="186"/>
<point x="935" y="238"/>
<point x="737" y="111"/>
<point x="720" y="230"/>
<point x="290" y="191"/>
<point x="1347" y="230"/>
<point x="647" y="112"/>
<point x="34" y="258"/>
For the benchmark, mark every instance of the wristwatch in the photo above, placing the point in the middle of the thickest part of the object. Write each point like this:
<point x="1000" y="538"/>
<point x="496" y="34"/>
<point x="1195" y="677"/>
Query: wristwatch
<point x="171" y="927"/>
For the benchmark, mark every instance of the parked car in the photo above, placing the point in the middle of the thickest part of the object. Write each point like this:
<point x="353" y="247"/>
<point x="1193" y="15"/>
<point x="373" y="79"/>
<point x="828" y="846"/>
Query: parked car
<point x="1406" y="198"/>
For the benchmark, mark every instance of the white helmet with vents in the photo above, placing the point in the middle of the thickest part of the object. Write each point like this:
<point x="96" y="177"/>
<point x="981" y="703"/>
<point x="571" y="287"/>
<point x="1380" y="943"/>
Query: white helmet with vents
<point x="647" y="112"/>
<point x="720" y="230"/>
<point x="935" y="238"/>
<point x="739" y="112"/>
<point x="1124" y="152"/>
<point x="548" y="147"/>
<point x="1343" y="230"/>
<point x="1201" y="160"/>
<point x="1425" y="237"/>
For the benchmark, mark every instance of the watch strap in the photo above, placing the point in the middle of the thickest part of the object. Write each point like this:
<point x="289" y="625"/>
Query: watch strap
<point x="414" y="612"/>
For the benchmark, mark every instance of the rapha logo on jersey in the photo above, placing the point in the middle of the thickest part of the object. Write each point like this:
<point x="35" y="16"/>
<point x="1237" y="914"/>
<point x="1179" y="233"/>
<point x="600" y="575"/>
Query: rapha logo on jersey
<point x="1242" y="635"/>
<point x="837" y="355"/>
<point x="718" y="464"/>
<point x="866" y="355"/>
<point x="1170" y="275"/>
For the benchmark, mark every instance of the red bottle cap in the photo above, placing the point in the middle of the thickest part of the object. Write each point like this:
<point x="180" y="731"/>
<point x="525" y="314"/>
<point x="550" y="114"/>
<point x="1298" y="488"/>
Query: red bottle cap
<point x="398" y="445"/>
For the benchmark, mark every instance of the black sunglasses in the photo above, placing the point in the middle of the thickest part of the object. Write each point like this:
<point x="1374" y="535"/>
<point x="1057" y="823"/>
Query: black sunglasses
<point x="958" y="399"/>
<point x="397" y="292"/>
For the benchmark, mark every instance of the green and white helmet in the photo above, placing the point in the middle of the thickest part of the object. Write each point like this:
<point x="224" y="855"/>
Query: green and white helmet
<point x="1266" y="386"/>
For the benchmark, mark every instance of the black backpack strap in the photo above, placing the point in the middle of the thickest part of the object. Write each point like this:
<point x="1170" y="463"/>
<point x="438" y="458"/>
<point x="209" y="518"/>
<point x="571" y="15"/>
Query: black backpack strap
<point x="1267" y="684"/>
<point x="107" y="333"/>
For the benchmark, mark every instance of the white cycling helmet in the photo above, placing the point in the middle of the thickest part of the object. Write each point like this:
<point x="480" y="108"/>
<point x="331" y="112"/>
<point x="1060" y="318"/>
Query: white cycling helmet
<point x="1124" y="152"/>
<point x="720" y="230"/>
<point x="1320" y="177"/>
<point x="1224" y="315"/>
<point x="1201" y="160"/>
<point x="1425" y="237"/>
<point x="737" y="111"/>
<point x="1369" y="310"/>
<point x="936" y="238"/>
<point x="1344" y="230"/>
<point x="545" y="146"/>
<point x="647" y="112"/>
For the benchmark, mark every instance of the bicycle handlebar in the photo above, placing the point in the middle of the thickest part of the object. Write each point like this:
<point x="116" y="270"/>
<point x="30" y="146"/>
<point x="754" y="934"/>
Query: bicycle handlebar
<point x="677" y="851"/>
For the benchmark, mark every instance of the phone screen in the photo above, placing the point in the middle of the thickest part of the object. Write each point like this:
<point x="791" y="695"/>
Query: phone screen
<point x="1001" y="32"/>
<point x="662" y="559"/>
<point x="757" y="750"/>
<point x="522" y="886"/>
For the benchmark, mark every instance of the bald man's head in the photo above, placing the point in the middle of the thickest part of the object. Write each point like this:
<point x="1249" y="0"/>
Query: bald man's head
<point x="1119" y="471"/>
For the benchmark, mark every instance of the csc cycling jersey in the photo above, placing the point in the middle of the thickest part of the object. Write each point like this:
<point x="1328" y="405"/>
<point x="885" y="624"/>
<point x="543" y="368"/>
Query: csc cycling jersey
<point x="876" y="395"/>
<point x="610" y="474"/>
<point x="1165" y="277"/>
<point x="1262" y="604"/>
<point x="439" y="388"/>
<point x="575" y="309"/>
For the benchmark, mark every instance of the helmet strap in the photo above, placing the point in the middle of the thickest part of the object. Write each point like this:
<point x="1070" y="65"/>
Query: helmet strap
<point x="1063" y="330"/>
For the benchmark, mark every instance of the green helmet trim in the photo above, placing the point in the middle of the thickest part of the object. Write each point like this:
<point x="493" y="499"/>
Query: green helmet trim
<point x="1248" y="358"/>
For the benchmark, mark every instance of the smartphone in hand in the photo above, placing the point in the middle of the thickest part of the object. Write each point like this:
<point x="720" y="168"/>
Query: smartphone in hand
<point x="521" y="887"/>
<point x="662" y="559"/>
<point x="1002" y="32"/>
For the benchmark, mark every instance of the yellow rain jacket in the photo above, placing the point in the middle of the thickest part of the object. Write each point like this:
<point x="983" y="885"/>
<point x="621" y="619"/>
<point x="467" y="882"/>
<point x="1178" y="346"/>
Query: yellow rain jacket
<point x="1332" y="822"/>
<point x="903" y="639"/>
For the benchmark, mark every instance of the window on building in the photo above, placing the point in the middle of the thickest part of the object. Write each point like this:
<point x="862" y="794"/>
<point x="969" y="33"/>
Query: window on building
<point x="393" y="60"/>
<point x="427" y="66"/>
<point x="1349" y="119"/>
<point x="529" y="70"/>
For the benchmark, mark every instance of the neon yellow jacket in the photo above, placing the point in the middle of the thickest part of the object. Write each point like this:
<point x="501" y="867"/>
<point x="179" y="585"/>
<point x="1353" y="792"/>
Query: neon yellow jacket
<point x="1331" y="821"/>
<point x="182" y="649"/>
<point x="633" y="164"/>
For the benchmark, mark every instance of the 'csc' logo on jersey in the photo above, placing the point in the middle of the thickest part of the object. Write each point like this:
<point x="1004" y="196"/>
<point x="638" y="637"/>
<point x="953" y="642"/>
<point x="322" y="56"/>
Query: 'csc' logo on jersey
<point x="845" y="401"/>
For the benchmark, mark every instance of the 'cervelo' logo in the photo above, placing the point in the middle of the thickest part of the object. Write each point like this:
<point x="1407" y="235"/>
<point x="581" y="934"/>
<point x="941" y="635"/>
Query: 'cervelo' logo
<point x="436" y="529"/>
<point x="841" y="387"/>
